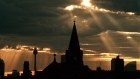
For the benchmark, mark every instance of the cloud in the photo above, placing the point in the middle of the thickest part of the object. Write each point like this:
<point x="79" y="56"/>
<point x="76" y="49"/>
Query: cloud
<point x="45" y="23"/>
<point x="113" y="42"/>
<point x="119" y="5"/>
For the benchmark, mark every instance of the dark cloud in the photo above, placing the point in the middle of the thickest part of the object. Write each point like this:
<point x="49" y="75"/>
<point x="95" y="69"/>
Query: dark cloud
<point x="119" y="5"/>
<point x="117" y="41"/>
<point x="45" y="23"/>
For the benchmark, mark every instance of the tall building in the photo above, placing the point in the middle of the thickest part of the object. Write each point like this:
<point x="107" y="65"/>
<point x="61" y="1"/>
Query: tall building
<point x="71" y="65"/>
<point x="2" y="67"/>
<point x="74" y="55"/>
<point x="117" y="64"/>
<point x="63" y="58"/>
<point x="35" y="52"/>
<point x="26" y="70"/>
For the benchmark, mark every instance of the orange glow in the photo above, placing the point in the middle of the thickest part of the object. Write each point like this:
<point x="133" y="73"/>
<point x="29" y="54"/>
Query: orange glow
<point x="108" y="42"/>
<point x="97" y="20"/>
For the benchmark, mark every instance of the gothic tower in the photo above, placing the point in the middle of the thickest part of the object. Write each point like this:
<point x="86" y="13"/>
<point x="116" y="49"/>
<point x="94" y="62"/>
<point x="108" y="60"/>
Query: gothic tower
<point x="74" y="55"/>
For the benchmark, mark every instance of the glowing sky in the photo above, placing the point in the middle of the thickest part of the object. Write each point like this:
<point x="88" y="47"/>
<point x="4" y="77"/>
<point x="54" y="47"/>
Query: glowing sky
<point x="106" y="28"/>
<point x="87" y="5"/>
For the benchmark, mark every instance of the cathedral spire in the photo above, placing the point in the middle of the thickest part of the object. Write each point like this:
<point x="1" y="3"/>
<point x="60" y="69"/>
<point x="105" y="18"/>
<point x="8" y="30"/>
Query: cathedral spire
<point x="74" y="55"/>
<point x="74" y="42"/>
<point x="54" y="59"/>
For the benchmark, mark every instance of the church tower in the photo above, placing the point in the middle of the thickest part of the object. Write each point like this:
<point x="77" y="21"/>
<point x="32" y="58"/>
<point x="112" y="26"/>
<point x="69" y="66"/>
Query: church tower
<point x="74" y="55"/>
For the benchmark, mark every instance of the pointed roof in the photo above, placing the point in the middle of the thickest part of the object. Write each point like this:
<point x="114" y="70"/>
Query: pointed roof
<point x="54" y="59"/>
<point x="74" y="42"/>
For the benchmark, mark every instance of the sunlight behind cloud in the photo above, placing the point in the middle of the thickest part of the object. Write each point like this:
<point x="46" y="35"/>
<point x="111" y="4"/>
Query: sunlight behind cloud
<point x="86" y="3"/>
<point x="72" y="7"/>
<point x="69" y="8"/>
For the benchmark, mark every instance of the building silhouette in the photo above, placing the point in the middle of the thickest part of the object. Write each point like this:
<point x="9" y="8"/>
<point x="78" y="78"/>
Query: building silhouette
<point x="117" y="64"/>
<point x="15" y="74"/>
<point x="26" y="70"/>
<point x="72" y="65"/>
<point x="63" y="58"/>
<point x="2" y="67"/>
<point x="74" y="55"/>
<point x="35" y="52"/>
<point x="131" y="66"/>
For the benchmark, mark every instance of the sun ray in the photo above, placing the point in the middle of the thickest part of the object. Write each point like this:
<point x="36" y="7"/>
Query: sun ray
<point x="86" y="4"/>
<point x="97" y="20"/>
<point x="113" y="21"/>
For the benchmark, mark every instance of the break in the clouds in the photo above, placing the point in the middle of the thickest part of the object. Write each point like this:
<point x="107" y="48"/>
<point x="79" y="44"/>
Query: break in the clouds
<point x="119" y="5"/>
<point x="46" y="23"/>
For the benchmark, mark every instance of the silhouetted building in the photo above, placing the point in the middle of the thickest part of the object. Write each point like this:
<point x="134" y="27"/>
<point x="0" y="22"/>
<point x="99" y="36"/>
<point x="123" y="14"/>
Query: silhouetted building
<point x="63" y="58"/>
<point x="2" y="67"/>
<point x="117" y="64"/>
<point x="26" y="70"/>
<point x="35" y="53"/>
<point x="15" y="74"/>
<point x="131" y="66"/>
<point x="71" y="66"/>
<point x="74" y="55"/>
<point x="99" y="69"/>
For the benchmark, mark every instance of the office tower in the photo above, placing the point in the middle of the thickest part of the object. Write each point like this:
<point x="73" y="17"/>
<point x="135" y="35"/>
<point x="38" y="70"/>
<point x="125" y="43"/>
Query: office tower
<point x="117" y="64"/>
<point x="26" y="70"/>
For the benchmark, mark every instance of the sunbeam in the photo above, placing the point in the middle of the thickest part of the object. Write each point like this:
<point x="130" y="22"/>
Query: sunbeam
<point x="86" y="5"/>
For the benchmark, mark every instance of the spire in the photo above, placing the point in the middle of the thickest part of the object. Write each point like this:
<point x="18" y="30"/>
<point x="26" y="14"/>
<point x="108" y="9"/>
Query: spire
<point x="54" y="60"/>
<point x="74" y="55"/>
<point x="74" y="42"/>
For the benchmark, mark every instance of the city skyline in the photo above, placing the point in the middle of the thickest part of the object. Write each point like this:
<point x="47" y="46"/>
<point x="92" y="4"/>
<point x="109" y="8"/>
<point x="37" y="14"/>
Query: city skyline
<point x="26" y="53"/>
<point x="104" y="31"/>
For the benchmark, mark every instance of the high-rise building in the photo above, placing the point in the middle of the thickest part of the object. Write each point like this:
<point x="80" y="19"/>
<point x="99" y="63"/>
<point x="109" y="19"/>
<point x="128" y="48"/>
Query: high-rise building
<point x="117" y="64"/>
<point x="26" y="70"/>
<point x="2" y="67"/>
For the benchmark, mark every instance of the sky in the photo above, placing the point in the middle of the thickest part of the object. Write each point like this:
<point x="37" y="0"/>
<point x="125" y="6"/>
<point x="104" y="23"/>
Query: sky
<point x="106" y="28"/>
